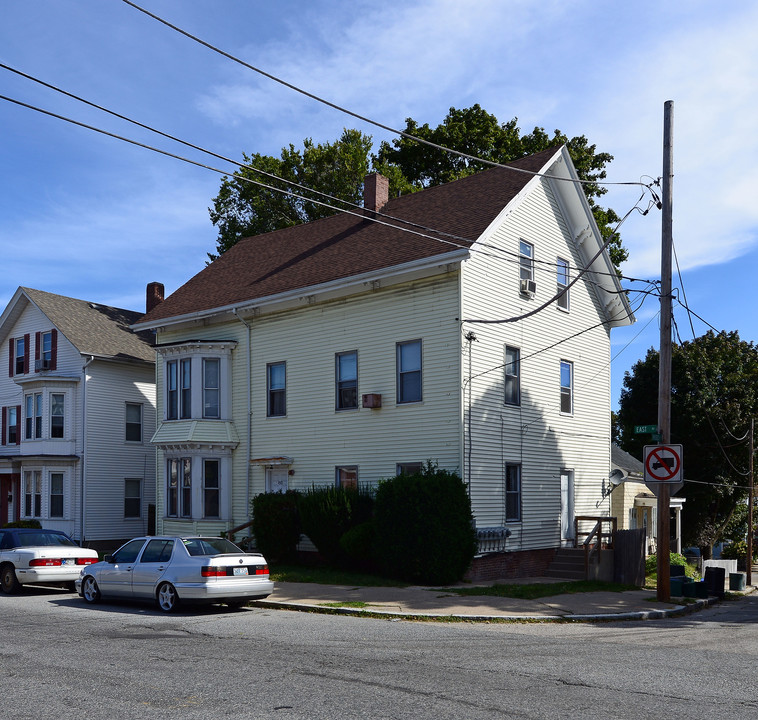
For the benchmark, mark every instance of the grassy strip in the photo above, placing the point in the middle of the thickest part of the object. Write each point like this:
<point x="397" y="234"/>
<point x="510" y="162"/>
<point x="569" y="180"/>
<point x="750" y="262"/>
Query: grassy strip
<point x="539" y="590"/>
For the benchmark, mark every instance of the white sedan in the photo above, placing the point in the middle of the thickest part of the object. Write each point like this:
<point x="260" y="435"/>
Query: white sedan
<point x="30" y="556"/>
<point x="170" y="570"/>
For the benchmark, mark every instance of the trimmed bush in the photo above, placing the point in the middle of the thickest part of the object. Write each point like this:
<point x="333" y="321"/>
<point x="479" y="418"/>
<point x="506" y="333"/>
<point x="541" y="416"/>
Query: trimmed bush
<point x="327" y="513"/>
<point x="33" y="524"/>
<point x="276" y="525"/>
<point x="358" y="545"/>
<point x="424" y="527"/>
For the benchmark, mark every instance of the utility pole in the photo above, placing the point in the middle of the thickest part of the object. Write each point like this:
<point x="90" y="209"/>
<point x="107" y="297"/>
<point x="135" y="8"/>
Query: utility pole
<point x="749" y="558"/>
<point x="664" y="369"/>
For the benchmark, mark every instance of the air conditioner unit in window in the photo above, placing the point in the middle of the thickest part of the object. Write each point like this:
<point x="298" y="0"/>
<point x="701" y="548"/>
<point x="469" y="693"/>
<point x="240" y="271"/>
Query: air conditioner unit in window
<point x="372" y="400"/>
<point x="528" y="287"/>
<point x="41" y="365"/>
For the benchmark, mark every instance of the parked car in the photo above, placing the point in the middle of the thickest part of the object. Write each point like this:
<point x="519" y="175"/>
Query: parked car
<point x="30" y="556"/>
<point x="170" y="570"/>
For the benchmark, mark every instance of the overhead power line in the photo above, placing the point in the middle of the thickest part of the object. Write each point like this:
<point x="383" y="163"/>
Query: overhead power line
<point x="356" y="115"/>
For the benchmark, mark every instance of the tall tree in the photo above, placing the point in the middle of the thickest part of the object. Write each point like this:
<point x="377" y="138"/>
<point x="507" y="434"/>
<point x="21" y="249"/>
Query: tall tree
<point x="478" y="133"/>
<point x="714" y="394"/>
<point x="243" y="208"/>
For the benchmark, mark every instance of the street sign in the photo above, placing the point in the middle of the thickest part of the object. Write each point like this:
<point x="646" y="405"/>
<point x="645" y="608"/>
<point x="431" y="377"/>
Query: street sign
<point x="645" y="429"/>
<point x="663" y="464"/>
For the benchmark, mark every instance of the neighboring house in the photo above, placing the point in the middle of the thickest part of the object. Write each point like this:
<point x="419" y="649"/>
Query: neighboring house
<point x="77" y="396"/>
<point x="636" y="506"/>
<point x="346" y="350"/>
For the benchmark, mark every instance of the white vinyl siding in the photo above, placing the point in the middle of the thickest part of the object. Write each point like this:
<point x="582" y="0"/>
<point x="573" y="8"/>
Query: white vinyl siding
<point x="535" y="435"/>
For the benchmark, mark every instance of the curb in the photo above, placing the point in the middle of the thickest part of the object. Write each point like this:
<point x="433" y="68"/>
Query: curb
<point x="678" y="611"/>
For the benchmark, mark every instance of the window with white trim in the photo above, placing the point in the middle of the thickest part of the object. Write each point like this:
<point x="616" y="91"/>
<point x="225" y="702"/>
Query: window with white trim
<point x="33" y="418"/>
<point x="132" y="498"/>
<point x="409" y="380"/>
<point x="211" y="488"/>
<point x="526" y="260"/>
<point x="562" y="281"/>
<point x="567" y="387"/>
<point x="56" y="495"/>
<point x="11" y="431"/>
<point x="33" y="493"/>
<point x="512" y="492"/>
<point x="211" y="387"/>
<point x="133" y="422"/>
<point x="276" y="389"/>
<point x="18" y="351"/>
<point x="57" y="414"/>
<point x="512" y="375"/>
<point x="185" y="381"/>
<point x="346" y="370"/>
<point x="409" y="468"/>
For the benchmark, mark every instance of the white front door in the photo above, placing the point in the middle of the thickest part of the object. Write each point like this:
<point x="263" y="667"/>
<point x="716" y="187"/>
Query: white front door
<point x="567" y="507"/>
<point x="277" y="479"/>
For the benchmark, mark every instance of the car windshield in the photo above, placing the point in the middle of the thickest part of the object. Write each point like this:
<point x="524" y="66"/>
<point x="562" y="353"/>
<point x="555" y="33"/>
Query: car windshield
<point x="209" y="546"/>
<point x="44" y="538"/>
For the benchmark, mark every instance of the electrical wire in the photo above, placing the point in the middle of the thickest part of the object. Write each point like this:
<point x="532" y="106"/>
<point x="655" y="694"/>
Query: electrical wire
<point x="362" y="118"/>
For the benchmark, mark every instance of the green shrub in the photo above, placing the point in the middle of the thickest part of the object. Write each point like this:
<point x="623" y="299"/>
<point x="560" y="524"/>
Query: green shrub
<point x="738" y="551"/>
<point x="34" y="524"/>
<point x="651" y="564"/>
<point x="358" y="545"/>
<point x="276" y="525"/>
<point x="424" y="527"/>
<point x="327" y="513"/>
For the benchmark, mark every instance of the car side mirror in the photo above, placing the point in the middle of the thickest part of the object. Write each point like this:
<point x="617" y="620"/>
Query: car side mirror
<point x="108" y="558"/>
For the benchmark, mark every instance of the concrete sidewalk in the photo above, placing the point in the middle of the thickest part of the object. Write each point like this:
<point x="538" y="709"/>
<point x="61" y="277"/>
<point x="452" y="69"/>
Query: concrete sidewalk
<point x="436" y="604"/>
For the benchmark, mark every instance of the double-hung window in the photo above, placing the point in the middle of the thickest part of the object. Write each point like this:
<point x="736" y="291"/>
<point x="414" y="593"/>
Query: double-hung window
<point x="56" y="495"/>
<point x="512" y="492"/>
<point x="134" y="422"/>
<point x="408" y="359"/>
<point x="179" y="488"/>
<point x="133" y="498"/>
<point x="526" y="260"/>
<point x="10" y="420"/>
<point x="185" y="396"/>
<point x="18" y="350"/>
<point x="346" y="368"/>
<point x="567" y="387"/>
<point x="33" y="418"/>
<point x="211" y="367"/>
<point x="276" y="389"/>
<point x="33" y="493"/>
<point x="57" y="406"/>
<point x="512" y="375"/>
<point x="172" y="392"/>
<point x="46" y="350"/>
<point x="211" y="489"/>
<point x="562" y="281"/>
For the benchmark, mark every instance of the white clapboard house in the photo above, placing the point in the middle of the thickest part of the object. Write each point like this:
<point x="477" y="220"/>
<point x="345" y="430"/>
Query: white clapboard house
<point x="77" y="397"/>
<point x="424" y="327"/>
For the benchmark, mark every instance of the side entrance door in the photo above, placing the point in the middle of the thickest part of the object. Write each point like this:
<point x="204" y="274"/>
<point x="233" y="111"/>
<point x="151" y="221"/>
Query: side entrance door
<point x="567" y="508"/>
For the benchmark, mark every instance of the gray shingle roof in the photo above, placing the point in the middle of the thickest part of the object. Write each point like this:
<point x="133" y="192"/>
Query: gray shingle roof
<point x="94" y="329"/>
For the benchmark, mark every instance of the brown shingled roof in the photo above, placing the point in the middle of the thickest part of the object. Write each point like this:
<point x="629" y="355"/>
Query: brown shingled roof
<point x="343" y="246"/>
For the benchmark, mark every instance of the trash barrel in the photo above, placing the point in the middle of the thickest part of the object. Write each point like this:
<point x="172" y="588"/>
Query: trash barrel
<point x="676" y="586"/>
<point x="688" y="589"/>
<point x="737" y="581"/>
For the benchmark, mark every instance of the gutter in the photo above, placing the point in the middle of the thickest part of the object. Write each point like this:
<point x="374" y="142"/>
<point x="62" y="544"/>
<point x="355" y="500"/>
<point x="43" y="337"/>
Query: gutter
<point x="249" y="355"/>
<point x="83" y="499"/>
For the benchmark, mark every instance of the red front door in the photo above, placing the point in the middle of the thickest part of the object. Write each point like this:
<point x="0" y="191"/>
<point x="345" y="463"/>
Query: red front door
<point x="10" y="498"/>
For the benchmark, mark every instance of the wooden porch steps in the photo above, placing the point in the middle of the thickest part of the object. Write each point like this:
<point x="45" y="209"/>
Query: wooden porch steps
<point x="568" y="563"/>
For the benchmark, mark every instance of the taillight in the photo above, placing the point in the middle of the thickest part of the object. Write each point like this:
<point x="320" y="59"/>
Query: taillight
<point x="45" y="562"/>
<point x="261" y="570"/>
<point x="213" y="571"/>
<point x="86" y="561"/>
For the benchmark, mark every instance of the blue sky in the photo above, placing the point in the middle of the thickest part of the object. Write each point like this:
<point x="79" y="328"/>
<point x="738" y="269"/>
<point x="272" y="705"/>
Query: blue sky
<point x="94" y="218"/>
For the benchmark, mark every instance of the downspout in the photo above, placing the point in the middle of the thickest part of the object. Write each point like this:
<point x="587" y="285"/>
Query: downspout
<point x="249" y="407"/>
<point x="82" y="500"/>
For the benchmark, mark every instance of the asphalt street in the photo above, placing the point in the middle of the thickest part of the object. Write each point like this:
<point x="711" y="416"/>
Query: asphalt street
<point x="62" y="658"/>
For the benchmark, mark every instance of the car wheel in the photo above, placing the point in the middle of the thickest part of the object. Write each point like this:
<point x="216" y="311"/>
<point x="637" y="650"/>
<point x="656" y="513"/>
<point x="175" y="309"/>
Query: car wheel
<point x="90" y="590"/>
<point x="8" y="580"/>
<point x="168" y="600"/>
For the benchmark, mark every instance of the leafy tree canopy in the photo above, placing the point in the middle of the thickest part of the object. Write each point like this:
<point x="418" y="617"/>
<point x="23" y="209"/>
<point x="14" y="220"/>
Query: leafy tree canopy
<point x="243" y="208"/>
<point x="714" y="393"/>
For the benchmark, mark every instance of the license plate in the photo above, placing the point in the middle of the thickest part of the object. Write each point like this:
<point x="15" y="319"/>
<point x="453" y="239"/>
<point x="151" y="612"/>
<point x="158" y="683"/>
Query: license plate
<point x="240" y="571"/>
<point x="64" y="561"/>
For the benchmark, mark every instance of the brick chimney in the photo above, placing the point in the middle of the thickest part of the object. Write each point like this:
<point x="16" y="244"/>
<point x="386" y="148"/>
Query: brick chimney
<point x="154" y="295"/>
<point x="376" y="192"/>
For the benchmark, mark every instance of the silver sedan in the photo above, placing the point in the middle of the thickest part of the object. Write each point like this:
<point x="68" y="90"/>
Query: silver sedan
<point x="170" y="570"/>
